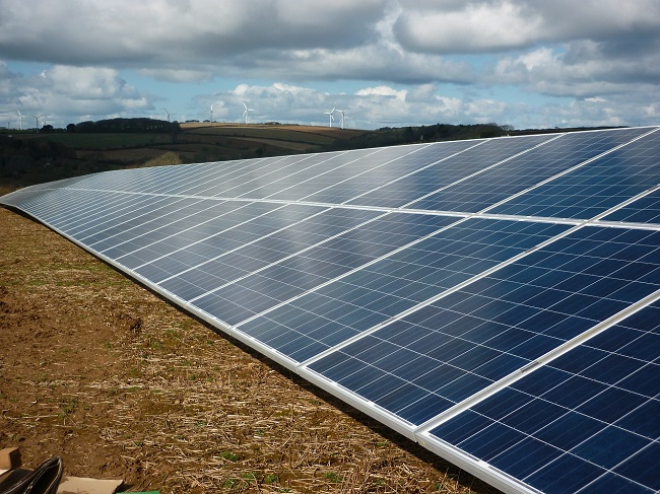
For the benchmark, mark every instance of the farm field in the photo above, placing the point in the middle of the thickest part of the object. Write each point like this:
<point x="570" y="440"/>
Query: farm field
<point x="104" y="141"/>
<point x="122" y="385"/>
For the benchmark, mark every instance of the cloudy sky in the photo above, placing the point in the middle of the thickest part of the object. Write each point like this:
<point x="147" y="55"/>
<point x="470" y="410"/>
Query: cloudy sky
<point x="530" y="64"/>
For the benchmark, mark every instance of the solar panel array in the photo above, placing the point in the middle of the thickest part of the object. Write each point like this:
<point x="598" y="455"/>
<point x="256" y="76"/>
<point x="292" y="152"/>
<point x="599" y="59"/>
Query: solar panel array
<point x="496" y="300"/>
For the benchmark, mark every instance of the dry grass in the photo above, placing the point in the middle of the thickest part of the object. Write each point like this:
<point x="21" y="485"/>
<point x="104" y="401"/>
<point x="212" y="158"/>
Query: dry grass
<point x="122" y="385"/>
<point x="164" y="159"/>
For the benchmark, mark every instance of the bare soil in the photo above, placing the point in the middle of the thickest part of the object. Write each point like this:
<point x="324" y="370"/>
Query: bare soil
<point x="101" y="371"/>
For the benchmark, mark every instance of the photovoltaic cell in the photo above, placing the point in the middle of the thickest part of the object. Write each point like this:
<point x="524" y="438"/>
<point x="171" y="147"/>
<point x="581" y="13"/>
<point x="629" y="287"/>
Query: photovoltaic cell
<point x="643" y="210"/>
<point x="300" y="274"/>
<point x="241" y="228"/>
<point x="353" y="304"/>
<point x="447" y="171"/>
<point x="428" y="285"/>
<point x="594" y="411"/>
<point x="362" y="183"/>
<point x="464" y="342"/>
<point x="296" y="187"/>
<point x="518" y="173"/>
<point x="595" y="187"/>
<point x="278" y="174"/>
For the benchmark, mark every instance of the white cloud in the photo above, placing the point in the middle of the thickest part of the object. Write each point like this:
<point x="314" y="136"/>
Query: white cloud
<point x="382" y="91"/>
<point x="491" y="25"/>
<point x="122" y="31"/>
<point x="369" y="107"/>
<point x="419" y="61"/>
<point x="177" y="75"/>
<point x="64" y="94"/>
<point x="479" y="26"/>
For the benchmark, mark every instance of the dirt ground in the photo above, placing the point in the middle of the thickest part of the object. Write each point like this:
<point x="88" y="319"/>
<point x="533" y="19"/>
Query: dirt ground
<point x="101" y="371"/>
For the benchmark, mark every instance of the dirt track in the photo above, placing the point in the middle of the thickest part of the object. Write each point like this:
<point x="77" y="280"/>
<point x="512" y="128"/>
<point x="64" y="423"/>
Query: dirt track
<point x="122" y="385"/>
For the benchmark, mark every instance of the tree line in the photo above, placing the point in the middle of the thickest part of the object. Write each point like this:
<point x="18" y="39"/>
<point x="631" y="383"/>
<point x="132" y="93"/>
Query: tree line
<point x="125" y="125"/>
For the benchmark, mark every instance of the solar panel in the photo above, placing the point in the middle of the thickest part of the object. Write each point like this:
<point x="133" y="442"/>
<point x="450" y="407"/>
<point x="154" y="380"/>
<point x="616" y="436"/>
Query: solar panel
<point x="496" y="300"/>
<point x="518" y="173"/>
<point x="589" y="419"/>
<point x="646" y="209"/>
<point x="597" y="186"/>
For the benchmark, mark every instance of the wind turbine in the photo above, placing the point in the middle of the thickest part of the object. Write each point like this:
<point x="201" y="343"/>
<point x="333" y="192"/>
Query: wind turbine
<point x="20" y="120"/>
<point x="342" y="118"/>
<point x="168" y="114"/>
<point x="246" y="113"/>
<point x="211" y="119"/>
<point x="36" y="119"/>
<point x="331" y="118"/>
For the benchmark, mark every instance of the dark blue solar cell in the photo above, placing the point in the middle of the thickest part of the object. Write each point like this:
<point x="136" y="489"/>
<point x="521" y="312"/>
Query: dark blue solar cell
<point x="424" y="409"/>
<point x="598" y="308"/>
<point x="381" y="386"/>
<point x="611" y="405"/>
<point x="643" y="466"/>
<point x="544" y="320"/>
<point x="614" y="339"/>
<point x="508" y="400"/>
<point x="645" y="346"/>
<point x="634" y="291"/>
<point x="533" y="416"/>
<point x="615" y="484"/>
<point x="401" y="397"/>
<point x="569" y="430"/>
<point x="418" y="367"/>
<point x="483" y="332"/>
<point x="518" y="173"/>
<point x="463" y="387"/>
<point x="334" y="360"/>
<point x="154" y="273"/>
<point x="566" y="474"/>
<point x="183" y="288"/>
<point x="588" y="190"/>
<point x="449" y="350"/>
<point x="574" y="391"/>
<point x="610" y="446"/>
<point x="491" y="441"/>
<point x="570" y="327"/>
<point x="545" y="378"/>
<point x="511" y="339"/>
<point x="526" y="457"/>
<point x="440" y="376"/>
<point x="644" y="210"/>
<point x="646" y="381"/>
<point x="474" y="357"/>
<point x="365" y="375"/>
<point x="461" y="427"/>
<point x="309" y="348"/>
<point x="451" y="168"/>
<point x="612" y="368"/>
<point x="578" y="359"/>
<point x="396" y="359"/>
<point x="644" y="420"/>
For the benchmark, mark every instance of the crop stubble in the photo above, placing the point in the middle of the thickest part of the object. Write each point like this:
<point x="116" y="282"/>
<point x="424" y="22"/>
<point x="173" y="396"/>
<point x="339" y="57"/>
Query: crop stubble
<point x="99" y="370"/>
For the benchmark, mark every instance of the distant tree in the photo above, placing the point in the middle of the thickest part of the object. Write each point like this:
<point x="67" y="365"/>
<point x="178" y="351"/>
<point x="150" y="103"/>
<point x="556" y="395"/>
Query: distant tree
<point x="71" y="127"/>
<point x="128" y="125"/>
